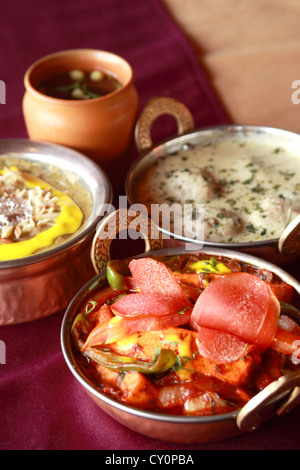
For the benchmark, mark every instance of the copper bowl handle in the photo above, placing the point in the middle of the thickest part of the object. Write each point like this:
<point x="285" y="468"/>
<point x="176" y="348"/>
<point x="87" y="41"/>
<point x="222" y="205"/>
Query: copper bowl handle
<point x="289" y="242"/>
<point x="117" y="222"/>
<point x="278" y="398"/>
<point x="157" y="107"/>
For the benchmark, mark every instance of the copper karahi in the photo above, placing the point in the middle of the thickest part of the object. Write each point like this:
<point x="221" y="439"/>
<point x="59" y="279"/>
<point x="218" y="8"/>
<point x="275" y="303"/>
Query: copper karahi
<point x="178" y="424"/>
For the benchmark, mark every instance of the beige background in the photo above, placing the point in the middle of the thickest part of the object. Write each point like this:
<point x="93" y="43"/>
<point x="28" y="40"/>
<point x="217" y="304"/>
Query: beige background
<point x="251" y="51"/>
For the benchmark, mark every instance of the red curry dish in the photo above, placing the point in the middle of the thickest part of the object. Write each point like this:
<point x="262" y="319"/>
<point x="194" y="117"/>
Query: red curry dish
<point x="187" y="335"/>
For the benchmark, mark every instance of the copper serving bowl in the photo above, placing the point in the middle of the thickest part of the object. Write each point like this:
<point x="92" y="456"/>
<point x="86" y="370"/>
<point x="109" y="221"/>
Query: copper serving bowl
<point x="44" y="283"/>
<point x="281" y="251"/>
<point x="277" y="398"/>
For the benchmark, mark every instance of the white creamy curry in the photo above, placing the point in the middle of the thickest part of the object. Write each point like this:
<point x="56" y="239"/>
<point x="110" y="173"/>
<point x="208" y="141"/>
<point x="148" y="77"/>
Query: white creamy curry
<point x="249" y="190"/>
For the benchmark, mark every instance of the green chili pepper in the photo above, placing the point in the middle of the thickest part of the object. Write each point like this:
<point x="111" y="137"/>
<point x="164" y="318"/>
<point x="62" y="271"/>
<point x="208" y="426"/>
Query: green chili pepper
<point x="115" y="279"/>
<point x="161" y="362"/>
<point x="90" y="306"/>
<point x="81" y="328"/>
<point x="81" y="322"/>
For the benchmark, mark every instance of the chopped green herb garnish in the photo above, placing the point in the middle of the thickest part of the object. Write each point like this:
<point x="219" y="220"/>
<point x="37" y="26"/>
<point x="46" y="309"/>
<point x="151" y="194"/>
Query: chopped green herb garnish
<point x="90" y="306"/>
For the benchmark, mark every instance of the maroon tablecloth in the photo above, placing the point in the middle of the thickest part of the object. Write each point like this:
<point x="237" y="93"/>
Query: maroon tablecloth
<point x="42" y="406"/>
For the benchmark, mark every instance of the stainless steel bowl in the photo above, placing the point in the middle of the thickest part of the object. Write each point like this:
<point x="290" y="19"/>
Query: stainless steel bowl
<point x="273" y="250"/>
<point x="181" y="429"/>
<point x="44" y="283"/>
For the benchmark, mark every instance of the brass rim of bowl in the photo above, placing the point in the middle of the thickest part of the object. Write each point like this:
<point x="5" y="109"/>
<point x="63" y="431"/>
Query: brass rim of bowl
<point x="30" y="88"/>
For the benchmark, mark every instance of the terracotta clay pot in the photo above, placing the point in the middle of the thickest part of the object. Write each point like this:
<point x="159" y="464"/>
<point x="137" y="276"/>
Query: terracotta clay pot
<point x="101" y="128"/>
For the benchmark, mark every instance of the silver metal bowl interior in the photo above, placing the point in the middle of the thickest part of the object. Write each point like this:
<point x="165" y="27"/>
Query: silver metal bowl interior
<point x="181" y="429"/>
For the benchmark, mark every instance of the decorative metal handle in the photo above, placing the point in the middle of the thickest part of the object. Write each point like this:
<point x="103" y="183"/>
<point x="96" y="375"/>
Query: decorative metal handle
<point x="289" y="242"/>
<point x="271" y="401"/>
<point x="116" y="222"/>
<point x="157" y="107"/>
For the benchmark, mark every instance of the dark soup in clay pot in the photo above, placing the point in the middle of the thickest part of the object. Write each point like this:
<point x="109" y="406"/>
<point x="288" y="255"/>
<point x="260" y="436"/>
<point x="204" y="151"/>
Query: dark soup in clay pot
<point x="79" y="85"/>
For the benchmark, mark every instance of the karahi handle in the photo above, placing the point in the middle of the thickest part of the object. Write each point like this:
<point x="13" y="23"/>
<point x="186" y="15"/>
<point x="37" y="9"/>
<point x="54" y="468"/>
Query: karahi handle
<point x="116" y="222"/>
<point x="289" y="242"/>
<point x="278" y="398"/>
<point x="157" y="107"/>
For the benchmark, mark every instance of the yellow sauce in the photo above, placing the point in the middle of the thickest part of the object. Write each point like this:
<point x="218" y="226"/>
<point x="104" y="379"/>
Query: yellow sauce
<point x="147" y="340"/>
<point x="204" y="266"/>
<point x="67" y="222"/>
<point x="185" y="354"/>
<point x="126" y="343"/>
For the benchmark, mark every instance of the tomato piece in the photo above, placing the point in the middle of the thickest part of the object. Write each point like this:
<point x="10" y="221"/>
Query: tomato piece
<point x="131" y="284"/>
<point x="104" y="332"/>
<point x="284" y="292"/>
<point x="104" y="313"/>
<point x="154" y="277"/>
<point x="285" y="342"/>
<point x="132" y="305"/>
<point x="155" y="323"/>
<point x="99" y="298"/>
<point x="118" y="327"/>
<point x="264" y="274"/>
<point x="220" y="346"/>
<point x="271" y="369"/>
<point x="241" y="304"/>
<point x="192" y="279"/>
<point x="191" y="293"/>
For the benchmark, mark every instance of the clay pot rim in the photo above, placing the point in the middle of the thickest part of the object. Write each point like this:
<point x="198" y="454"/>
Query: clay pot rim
<point x="74" y="52"/>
